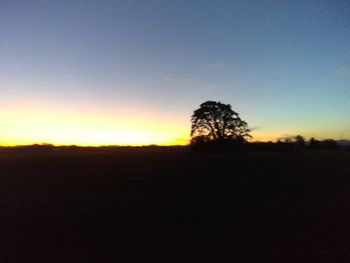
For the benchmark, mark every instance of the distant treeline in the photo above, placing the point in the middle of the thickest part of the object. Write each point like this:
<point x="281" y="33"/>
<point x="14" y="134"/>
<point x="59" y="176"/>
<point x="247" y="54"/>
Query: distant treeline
<point x="288" y="143"/>
<point x="297" y="142"/>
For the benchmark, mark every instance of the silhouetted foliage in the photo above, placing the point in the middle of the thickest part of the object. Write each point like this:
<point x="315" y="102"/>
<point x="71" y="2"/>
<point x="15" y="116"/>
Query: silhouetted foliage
<point x="329" y="144"/>
<point x="285" y="144"/>
<point x="200" y="142"/>
<point x="299" y="142"/>
<point x="290" y="142"/>
<point x="314" y="144"/>
<point x="216" y="126"/>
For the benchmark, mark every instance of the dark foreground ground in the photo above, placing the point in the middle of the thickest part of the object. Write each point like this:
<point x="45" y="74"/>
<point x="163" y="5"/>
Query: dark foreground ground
<point x="170" y="205"/>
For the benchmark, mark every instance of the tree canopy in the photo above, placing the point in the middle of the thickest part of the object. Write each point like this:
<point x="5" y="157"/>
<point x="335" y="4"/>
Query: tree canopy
<point x="217" y="122"/>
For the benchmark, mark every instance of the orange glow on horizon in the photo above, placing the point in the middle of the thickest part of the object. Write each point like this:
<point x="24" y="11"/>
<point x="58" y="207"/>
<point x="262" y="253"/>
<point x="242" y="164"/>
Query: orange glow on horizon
<point x="30" y="125"/>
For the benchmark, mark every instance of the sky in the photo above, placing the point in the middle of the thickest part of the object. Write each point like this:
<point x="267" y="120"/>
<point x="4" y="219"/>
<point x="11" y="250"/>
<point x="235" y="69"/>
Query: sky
<point x="132" y="72"/>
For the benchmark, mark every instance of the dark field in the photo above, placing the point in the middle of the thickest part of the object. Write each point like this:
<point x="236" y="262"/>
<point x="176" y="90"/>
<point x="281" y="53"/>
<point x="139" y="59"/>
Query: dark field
<point x="171" y="205"/>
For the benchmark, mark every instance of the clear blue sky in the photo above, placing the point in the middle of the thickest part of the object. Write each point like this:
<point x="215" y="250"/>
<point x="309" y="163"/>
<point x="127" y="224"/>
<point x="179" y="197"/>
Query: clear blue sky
<point x="114" y="65"/>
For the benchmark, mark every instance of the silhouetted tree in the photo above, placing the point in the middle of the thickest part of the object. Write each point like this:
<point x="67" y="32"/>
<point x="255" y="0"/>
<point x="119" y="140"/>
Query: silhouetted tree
<point x="299" y="141"/>
<point x="314" y="144"/>
<point x="216" y="123"/>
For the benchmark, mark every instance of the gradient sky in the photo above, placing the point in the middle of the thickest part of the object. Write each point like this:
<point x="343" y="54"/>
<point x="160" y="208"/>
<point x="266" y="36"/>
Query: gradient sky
<point x="132" y="72"/>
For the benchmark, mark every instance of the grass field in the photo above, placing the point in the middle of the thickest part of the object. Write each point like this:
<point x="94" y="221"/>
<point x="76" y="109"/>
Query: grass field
<point x="173" y="205"/>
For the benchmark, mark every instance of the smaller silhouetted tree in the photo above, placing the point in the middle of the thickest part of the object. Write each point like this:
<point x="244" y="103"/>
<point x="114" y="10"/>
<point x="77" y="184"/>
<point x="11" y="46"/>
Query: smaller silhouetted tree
<point x="299" y="142"/>
<point x="314" y="144"/>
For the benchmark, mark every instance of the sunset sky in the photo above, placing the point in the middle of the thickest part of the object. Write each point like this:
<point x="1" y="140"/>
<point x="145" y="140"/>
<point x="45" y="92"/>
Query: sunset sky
<point x="132" y="72"/>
